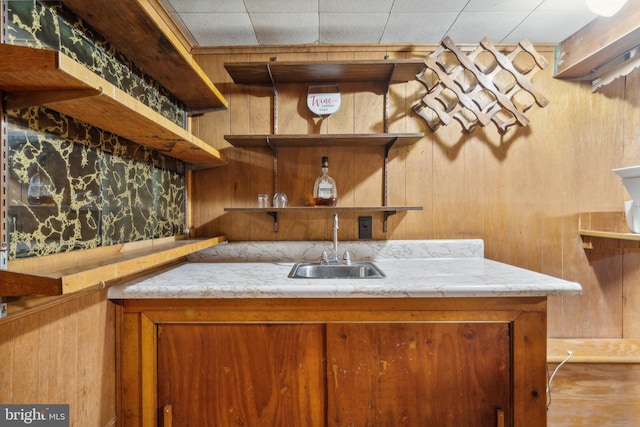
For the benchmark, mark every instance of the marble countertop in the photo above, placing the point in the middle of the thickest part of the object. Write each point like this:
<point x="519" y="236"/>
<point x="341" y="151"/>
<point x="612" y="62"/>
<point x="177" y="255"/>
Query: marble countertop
<point x="414" y="269"/>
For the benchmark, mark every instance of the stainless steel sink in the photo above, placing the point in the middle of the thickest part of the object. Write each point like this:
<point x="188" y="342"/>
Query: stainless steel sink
<point x="317" y="270"/>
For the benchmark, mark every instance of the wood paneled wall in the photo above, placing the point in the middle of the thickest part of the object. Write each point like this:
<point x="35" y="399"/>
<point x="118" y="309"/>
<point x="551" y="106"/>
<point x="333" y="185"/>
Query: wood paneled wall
<point x="521" y="192"/>
<point x="62" y="353"/>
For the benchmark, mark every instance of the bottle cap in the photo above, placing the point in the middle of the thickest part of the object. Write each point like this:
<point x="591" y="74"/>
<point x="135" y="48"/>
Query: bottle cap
<point x="325" y="162"/>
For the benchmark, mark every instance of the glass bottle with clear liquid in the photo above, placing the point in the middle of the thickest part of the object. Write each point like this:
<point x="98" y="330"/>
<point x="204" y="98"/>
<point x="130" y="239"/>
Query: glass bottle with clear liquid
<point x="325" y="191"/>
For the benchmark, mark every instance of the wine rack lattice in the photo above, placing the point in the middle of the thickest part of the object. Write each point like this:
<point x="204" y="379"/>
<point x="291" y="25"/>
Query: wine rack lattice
<point x="480" y="87"/>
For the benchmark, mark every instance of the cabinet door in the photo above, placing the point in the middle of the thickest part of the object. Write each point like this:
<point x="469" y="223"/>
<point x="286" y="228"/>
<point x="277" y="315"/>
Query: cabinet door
<point x="428" y="374"/>
<point x="242" y="375"/>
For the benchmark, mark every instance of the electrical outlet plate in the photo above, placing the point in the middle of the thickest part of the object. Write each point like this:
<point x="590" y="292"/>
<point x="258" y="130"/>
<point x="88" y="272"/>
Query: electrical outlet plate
<point x="364" y="227"/>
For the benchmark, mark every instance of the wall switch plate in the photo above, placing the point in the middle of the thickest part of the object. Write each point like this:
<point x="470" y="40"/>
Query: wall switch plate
<point x="364" y="227"/>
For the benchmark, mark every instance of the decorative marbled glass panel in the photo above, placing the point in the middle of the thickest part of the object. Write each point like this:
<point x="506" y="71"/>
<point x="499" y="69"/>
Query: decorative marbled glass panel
<point x="49" y="25"/>
<point x="96" y="188"/>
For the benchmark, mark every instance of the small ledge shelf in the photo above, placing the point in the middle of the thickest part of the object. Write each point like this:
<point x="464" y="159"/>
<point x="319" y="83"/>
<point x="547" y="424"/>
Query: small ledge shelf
<point x="142" y="31"/>
<point x="329" y="140"/>
<point x="610" y="234"/>
<point x="388" y="71"/>
<point x="607" y="225"/>
<point x="32" y="76"/>
<point x="274" y="212"/>
<point x="73" y="271"/>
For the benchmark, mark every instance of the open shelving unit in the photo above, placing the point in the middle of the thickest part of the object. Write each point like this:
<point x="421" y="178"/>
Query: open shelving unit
<point x="380" y="73"/>
<point x="32" y="76"/>
<point x="29" y="76"/>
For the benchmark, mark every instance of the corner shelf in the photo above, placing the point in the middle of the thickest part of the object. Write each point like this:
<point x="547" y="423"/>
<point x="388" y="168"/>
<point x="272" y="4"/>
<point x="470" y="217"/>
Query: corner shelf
<point x="32" y="76"/>
<point x="274" y="212"/>
<point x="71" y="272"/>
<point x="142" y="31"/>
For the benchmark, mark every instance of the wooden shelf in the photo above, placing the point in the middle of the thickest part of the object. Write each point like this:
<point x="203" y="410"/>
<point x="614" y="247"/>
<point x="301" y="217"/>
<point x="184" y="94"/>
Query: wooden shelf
<point x="388" y="71"/>
<point x="607" y="225"/>
<point x="610" y="234"/>
<point x="304" y="140"/>
<point x="72" y="271"/>
<point x="329" y="208"/>
<point x="274" y="212"/>
<point x="44" y="77"/>
<point x="142" y="30"/>
<point x="600" y="47"/>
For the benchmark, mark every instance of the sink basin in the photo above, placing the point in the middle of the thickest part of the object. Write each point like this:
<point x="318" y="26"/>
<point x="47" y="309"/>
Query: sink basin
<point x="355" y="270"/>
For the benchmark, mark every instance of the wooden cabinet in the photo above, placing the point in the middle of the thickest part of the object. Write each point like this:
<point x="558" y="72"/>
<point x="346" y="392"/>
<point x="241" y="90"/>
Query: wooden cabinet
<point x="334" y="362"/>
<point x="417" y="374"/>
<point x="251" y="375"/>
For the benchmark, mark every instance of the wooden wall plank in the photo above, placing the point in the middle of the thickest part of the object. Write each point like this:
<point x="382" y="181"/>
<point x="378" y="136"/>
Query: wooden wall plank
<point x="62" y="353"/>
<point x="594" y="395"/>
<point x="58" y="361"/>
<point x="631" y="293"/>
<point x="8" y="356"/>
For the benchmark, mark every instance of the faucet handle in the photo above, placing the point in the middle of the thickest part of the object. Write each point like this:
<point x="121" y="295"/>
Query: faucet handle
<point x="325" y="257"/>
<point x="346" y="257"/>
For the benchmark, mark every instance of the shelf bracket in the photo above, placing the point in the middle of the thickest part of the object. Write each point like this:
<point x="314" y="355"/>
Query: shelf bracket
<point x="387" y="214"/>
<point x="274" y="147"/>
<point x="386" y="97"/>
<point x="385" y="174"/>
<point x="274" y="214"/>
<point x="275" y="100"/>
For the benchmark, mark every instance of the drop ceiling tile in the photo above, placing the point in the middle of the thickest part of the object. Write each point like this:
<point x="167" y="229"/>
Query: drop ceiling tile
<point x="227" y="22"/>
<point x="185" y="30"/>
<point x="339" y="28"/>
<point x="420" y="28"/>
<point x="283" y="6"/>
<point x="502" y="5"/>
<point x="220" y="29"/>
<point x="354" y="6"/>
<point x="549" y="27"/>
<point x="417" y="6"/>
<point x="567" y="5"/>
<point x="285" y="28"/>
<point x="199" y="6"/>
<point x="471" y="27"/>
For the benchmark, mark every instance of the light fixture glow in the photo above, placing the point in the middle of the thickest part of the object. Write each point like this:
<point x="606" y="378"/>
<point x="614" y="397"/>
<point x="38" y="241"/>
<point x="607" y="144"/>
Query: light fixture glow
<point x="605" y="7"/>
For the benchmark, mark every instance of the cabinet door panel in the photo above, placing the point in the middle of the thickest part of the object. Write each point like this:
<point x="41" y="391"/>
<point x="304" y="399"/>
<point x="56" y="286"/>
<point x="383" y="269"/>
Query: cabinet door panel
<point x="250" y="375"/>
<point x="429" y="374"/>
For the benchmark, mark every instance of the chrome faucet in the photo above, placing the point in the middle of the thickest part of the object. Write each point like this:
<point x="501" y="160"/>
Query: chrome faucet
<point x="335" y="257"/>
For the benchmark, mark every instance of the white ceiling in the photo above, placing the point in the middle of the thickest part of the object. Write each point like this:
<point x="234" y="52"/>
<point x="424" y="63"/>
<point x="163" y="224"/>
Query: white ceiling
<point x="285" y="22"/>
